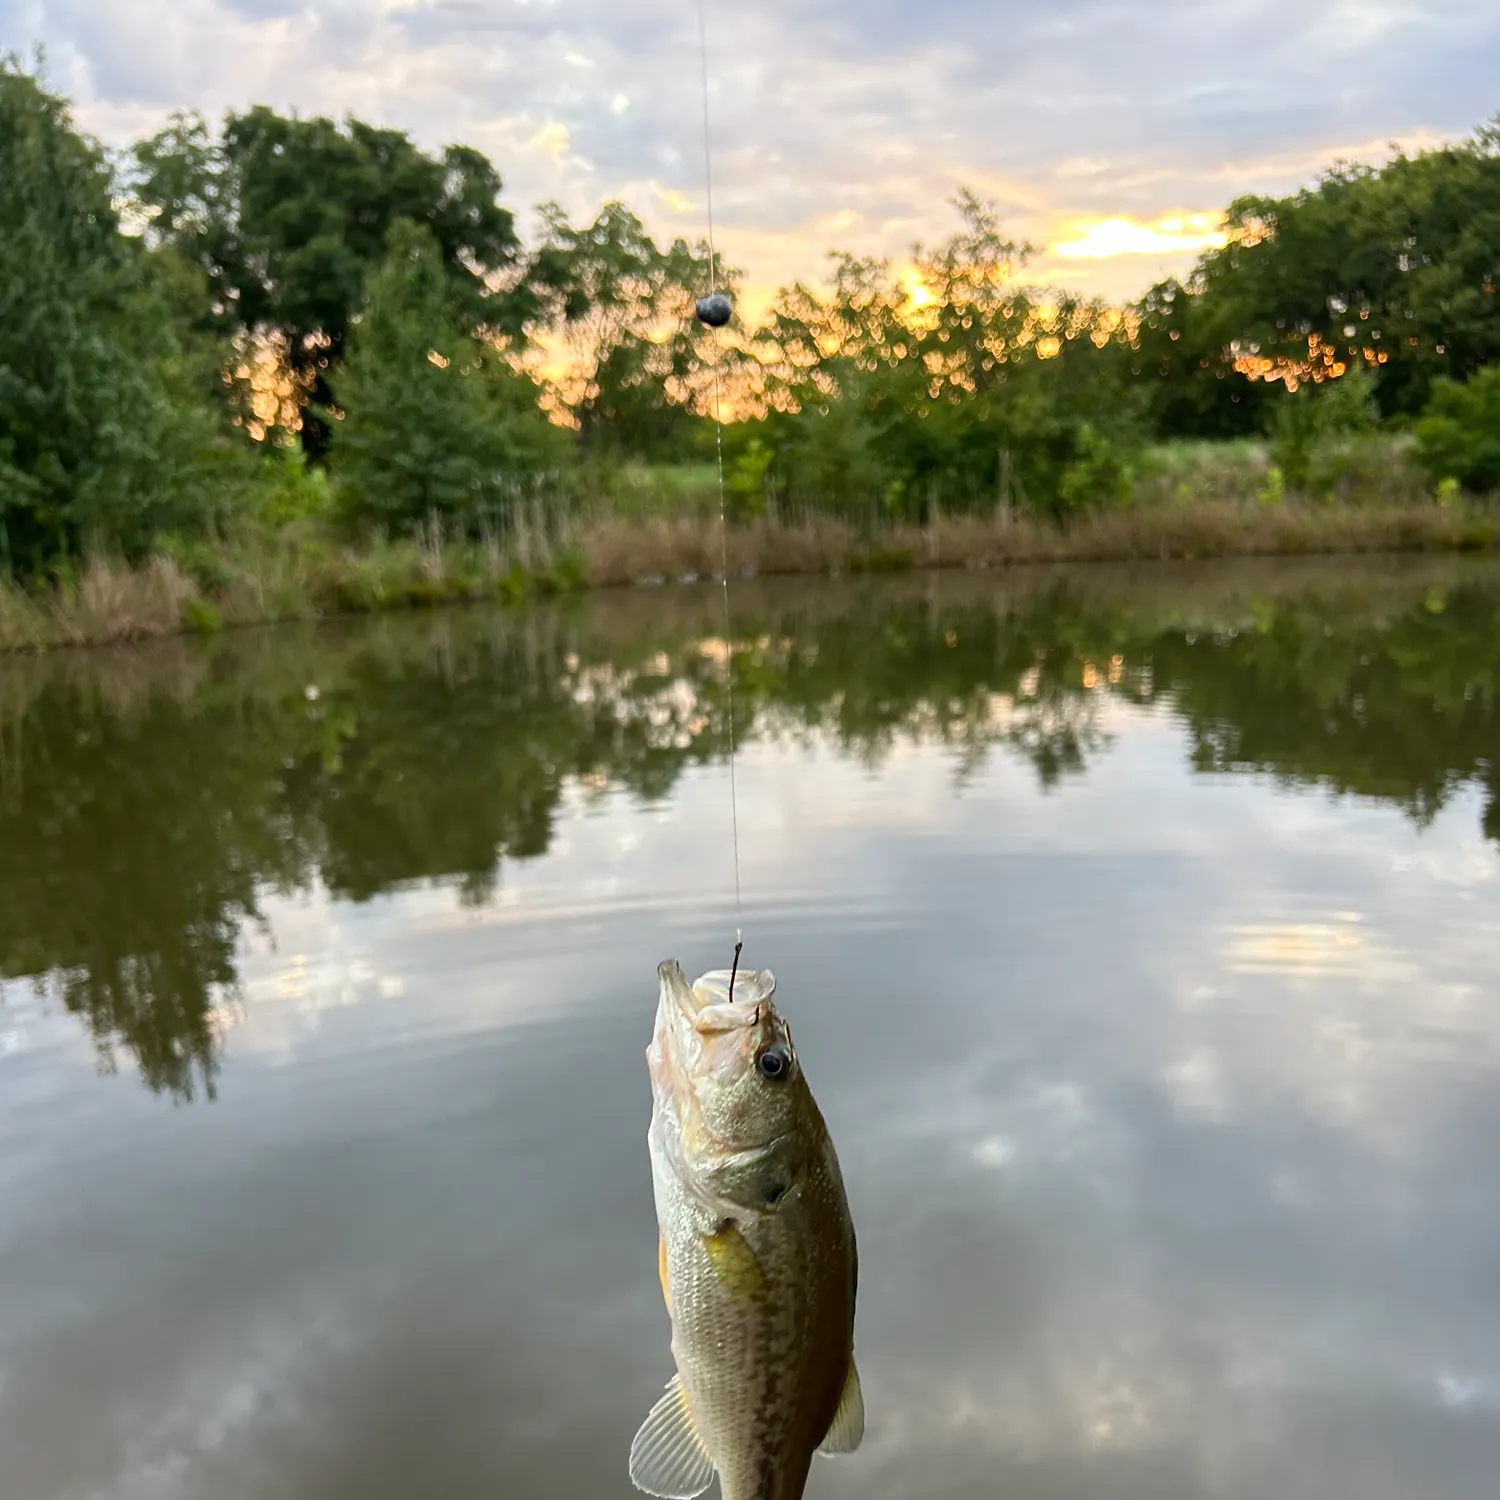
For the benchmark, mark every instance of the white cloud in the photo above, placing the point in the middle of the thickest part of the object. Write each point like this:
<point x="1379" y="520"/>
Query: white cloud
<point x="1071" y="109"/>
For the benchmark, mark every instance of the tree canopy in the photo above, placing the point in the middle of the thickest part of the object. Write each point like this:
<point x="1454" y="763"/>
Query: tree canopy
<point x="287" y="217"/>
<point x="107" y="427"/>
<point x="623" y="306"/>
<point x="431" y="420"/>
<point x="1395" y="267"/>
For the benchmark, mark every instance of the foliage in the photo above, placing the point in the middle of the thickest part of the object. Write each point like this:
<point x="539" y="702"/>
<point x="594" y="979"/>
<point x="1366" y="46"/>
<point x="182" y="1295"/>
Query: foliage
<point x="286" y="217"/>
<point x="746" y="481"/>
<point x="338" y="279"/>
<point x="1309" y="425"/>
<point x="293" y="491"/>
<point x="1394" y="267"/>
<point x="108" y="426"/>
<point x="623" y="306"/>
<point x="982" y="392"/>
<point x="1185" y="368"/>
<point x="431" y="419"/>
<point x="1458" y="435"/>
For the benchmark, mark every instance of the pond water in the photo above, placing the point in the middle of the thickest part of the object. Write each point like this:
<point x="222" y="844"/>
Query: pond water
<point x="1138" y="928"/>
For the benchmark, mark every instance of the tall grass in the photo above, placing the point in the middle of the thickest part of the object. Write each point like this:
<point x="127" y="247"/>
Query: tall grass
<point x="105" y="603"/>
<point x="301" y="571"/>
<point x="618" y="552"/>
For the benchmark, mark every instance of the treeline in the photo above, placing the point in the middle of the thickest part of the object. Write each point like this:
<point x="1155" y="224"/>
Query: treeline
<point x="284" y="318"/>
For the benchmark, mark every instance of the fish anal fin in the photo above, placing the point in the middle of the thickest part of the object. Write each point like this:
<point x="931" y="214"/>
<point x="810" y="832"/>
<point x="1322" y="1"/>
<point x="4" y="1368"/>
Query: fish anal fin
<point x="847" y="1430"/>
<point x="667" y="1456"/>
<point x="661" y="1271"/>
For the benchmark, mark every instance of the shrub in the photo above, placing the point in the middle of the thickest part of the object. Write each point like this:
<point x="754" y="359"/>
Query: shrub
<point x="1458" y="435"/>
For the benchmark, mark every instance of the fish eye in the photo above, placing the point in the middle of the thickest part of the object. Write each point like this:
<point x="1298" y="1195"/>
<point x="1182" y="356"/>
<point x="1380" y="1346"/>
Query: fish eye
<point x="775" y="1062"/>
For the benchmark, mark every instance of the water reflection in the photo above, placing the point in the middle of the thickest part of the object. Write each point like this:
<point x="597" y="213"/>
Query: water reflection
<point x="1139" y="936"/>
<point x="149" y="801"/>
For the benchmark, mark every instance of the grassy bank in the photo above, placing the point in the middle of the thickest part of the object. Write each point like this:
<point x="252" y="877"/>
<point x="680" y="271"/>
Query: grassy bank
<point x="616" y="552"/>
<point x="304" y="575"/>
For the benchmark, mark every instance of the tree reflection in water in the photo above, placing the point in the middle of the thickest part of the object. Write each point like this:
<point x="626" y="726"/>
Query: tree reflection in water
<point x="150" y="799"/>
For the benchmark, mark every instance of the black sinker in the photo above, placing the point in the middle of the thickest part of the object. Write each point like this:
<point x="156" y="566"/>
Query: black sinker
<point x="715" y="310"/>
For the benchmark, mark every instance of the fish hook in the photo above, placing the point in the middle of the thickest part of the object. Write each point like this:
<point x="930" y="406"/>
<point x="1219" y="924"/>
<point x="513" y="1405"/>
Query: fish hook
<point x="735" y="968"/>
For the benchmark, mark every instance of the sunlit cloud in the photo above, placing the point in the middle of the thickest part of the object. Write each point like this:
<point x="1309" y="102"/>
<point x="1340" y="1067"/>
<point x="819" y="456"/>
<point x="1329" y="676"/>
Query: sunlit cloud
<point x="677" y="202"/>
<point x="1103" y="239"/>
<point x="1082" y="166"/>
<point x="554" y="139"/>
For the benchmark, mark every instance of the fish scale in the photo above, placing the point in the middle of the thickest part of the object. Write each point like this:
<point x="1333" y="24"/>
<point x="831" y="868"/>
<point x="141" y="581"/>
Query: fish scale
<point x="758" y="1256"/>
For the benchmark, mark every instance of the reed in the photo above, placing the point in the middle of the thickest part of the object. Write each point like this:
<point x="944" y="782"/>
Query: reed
<point x="304" y="576"/>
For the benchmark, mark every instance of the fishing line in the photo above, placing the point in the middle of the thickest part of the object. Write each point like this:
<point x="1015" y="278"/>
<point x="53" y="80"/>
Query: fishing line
<point x="714" y="310"/>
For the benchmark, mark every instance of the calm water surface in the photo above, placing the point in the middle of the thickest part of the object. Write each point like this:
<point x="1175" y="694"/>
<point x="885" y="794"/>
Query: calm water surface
<point x="1139" y="932"/>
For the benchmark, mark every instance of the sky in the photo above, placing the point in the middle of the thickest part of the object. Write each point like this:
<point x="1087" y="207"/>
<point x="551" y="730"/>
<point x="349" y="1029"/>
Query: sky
<point x="1109" y="134"/>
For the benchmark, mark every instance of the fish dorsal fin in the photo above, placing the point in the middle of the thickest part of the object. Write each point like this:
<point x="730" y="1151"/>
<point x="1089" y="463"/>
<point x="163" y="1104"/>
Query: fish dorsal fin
<point x="667" y="1457"/>
<point x="847" y="1430"/>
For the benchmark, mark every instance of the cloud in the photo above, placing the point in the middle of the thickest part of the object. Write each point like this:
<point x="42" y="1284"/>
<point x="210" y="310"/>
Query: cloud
<point x="1069" y="110"/>
<point x="1102" y="239"/>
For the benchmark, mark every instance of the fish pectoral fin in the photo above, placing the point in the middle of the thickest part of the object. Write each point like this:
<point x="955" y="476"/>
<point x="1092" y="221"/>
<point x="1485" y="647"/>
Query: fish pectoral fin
<point x="735" y="1264"/>
<point x="847" y="1430"/>
<point x="667" y="1457"/>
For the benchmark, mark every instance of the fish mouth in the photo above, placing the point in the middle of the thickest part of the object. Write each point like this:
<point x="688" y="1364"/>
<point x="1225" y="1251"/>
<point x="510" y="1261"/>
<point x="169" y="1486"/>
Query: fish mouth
<point x="720" y="1000"/>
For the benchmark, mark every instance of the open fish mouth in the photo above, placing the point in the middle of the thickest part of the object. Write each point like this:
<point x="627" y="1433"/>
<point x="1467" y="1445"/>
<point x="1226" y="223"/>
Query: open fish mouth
<point x="720" y="1000"/>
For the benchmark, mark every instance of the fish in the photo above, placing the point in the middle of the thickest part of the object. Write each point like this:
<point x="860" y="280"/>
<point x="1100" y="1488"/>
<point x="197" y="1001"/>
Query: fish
<point x="757" y="1255"/>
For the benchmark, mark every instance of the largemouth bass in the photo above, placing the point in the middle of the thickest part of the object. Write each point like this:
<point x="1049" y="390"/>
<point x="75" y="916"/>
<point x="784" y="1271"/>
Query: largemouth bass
<point x="757" y="1252"/>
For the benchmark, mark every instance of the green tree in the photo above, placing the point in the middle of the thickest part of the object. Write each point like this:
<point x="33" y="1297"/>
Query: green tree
<point x="286" y="217"/>
<point x="623" y="307"/>
<point x="107" y="425"/>
<point x="1394" y="266"/>
<point x="1186" y="368"/>
<point x="980" y="392"/>
<point x="1458" y="435"/>
<point x="833" y="377"/>
<point x="1309" y="424"/>
<point x="432" y="418"/>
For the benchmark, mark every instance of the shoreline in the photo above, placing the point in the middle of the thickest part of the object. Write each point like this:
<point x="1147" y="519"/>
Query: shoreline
<point x="288" y="578"/>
